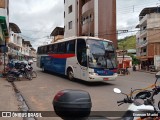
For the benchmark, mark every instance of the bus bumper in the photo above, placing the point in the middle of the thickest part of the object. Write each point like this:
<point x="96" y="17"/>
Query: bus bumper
<point x="95" y="78"/>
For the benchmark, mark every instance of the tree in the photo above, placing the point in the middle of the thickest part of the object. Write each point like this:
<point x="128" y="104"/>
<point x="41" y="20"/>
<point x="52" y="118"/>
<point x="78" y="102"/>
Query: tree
<point x="135" y="61"/>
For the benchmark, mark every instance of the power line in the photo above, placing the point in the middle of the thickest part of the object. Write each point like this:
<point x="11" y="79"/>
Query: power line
<point x="35" y="31"/>
<point x="34" y="38"/>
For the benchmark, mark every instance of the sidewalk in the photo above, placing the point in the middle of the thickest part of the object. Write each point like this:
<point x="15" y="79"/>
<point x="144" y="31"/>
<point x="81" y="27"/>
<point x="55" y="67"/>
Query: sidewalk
<point x="147" y="71"/>
<point x="8" y="100"/>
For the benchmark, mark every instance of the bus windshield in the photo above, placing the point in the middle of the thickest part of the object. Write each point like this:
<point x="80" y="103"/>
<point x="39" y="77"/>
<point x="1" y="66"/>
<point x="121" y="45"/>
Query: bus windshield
<point x="101" y="54"/>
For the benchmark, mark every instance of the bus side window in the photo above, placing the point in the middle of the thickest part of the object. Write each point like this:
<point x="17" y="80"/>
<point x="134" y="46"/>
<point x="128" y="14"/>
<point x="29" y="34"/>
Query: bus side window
<point x="42" y="50"/>
<point x="55" y="48"/>
<point x="62" y="47"/>
<point x="50" y="49"/>
<point x="81" y="52"/>
<point x="70" y="46"/>
<point x="38" y="50"/>
<point x="45" y="49"/>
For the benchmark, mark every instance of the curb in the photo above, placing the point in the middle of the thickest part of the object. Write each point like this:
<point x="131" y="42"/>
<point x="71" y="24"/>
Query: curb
<point x="147" y="72"/>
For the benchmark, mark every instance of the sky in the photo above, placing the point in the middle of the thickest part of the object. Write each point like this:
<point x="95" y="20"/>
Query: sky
<point x="37" y="18"/>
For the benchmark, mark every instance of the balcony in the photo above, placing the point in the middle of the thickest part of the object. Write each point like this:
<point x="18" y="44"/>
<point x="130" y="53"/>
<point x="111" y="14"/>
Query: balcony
<point x="87" y="6"/>
<point x="2" y="4"/>
<point x="143" y="33"/>
<point x="142" y="43"/>
<point x="14" y="52"/>
<point x="143" y="20"/>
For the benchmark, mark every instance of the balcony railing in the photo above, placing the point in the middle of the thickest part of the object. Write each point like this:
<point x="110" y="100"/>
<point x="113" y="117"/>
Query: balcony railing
<point x="143" y="19"/>
<point x="142" y="44"/>
<point x="143" y="32"/>
<point x="143" y="53"/>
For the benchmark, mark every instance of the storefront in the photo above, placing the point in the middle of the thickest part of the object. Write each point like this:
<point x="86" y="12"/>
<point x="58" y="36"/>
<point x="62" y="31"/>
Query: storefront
<point x="145" y="62"/>
<point x="3" y="40"/>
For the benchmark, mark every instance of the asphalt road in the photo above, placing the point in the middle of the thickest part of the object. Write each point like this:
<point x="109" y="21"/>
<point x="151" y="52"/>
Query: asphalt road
<point x="39" y="92"/>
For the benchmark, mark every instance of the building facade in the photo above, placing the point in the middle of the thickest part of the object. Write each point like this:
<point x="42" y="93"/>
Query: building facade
<point x="90" y="18"/>
<point x="4" y="30"/>
<point x="58" y="34"/>
<point x="148" y="38"/>
<point x="18" y="47"/>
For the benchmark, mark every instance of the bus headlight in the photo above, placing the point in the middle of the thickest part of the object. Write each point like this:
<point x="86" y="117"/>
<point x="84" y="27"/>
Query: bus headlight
<point x="93" y="73"/>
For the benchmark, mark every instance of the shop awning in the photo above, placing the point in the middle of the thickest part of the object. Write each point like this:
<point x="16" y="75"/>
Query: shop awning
<point x="4" y="25"/>
<point x="144" y="58"/>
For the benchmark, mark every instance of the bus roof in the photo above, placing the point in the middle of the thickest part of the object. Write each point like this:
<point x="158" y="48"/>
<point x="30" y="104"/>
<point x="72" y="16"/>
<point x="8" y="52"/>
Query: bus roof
<point x="75" y="37"/>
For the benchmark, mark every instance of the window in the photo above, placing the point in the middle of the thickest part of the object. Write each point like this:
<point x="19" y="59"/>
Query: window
<point x="70" y="25"/>
<point x="50" y="50"/>
<point x="62" y="47"/>
<point x="55" y="48"/>
<point x="70" y="46"/>
<point x="42" y="50"/>
<point x="81" y="52"/>
<point x="45" y="49"/>
<point x="70" y="9"/>
<point x="64" y="14"/>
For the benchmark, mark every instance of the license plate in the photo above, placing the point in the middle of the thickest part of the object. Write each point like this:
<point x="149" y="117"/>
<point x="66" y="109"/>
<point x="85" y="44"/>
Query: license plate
<point x="105" y="79"/>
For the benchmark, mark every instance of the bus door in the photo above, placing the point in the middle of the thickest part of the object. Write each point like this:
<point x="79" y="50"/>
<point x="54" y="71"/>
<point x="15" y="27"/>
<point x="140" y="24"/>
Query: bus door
<point x="81" y="67"/>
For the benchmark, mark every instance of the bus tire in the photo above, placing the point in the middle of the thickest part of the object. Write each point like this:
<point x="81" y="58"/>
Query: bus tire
<point x="70" y="74"/>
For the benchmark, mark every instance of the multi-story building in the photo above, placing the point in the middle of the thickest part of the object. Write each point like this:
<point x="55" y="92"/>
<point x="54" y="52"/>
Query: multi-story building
<point x="15" y="42"/>
<point x="90" y="18"/>
<point x="26" y="48"/>
<point x="4" y="30"/>
<point x="58" y="34"/>
<point x="18" y="47"/>
<point x="148" y="38"/>
<point x="32" y="53"/>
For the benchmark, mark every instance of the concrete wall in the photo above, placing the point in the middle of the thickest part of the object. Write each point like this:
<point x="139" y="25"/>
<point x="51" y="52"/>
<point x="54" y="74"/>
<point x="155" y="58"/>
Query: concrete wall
<point x="107" y="20"/>
<point x="70" y="17"/>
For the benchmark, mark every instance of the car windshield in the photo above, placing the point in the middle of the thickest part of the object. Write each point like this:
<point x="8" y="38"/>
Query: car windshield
<point x="101" y="54"/>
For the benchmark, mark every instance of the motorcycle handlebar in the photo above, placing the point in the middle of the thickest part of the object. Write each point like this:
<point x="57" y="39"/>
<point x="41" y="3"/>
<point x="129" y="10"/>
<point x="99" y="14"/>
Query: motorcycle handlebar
<point x="120" y="101"/>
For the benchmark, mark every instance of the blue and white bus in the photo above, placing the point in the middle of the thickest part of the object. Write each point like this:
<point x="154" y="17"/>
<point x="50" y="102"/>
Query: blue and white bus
<point x="86" y="58"/>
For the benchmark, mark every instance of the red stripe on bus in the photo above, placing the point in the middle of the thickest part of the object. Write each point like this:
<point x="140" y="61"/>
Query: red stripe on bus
<point x="62" y="55"/>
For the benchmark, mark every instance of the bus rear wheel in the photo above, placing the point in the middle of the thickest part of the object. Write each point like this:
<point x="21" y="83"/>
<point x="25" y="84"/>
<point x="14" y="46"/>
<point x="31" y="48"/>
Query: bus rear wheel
<point x="70" y="74"/>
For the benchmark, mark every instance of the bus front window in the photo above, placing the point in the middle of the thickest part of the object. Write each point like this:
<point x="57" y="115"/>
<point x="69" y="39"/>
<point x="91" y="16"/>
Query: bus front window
<point x="101" y="54"/>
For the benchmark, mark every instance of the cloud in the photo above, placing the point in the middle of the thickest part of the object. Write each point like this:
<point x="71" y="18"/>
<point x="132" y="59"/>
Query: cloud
<point x="37" y="19"/>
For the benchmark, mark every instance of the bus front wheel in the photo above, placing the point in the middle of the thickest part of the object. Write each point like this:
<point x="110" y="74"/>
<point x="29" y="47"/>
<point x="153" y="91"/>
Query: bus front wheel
<point x="70" y="74"/>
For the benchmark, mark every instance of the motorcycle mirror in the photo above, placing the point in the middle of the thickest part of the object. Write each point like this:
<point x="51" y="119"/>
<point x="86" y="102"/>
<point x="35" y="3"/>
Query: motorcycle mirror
<point x="117" y="90"/>
<point x="159" y="105"/>
<point x="158" y="75"/>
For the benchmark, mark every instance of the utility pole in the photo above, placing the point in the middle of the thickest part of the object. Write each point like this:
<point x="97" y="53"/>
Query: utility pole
<point x="158" y="7"/>
<point x="89" y="25"/>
